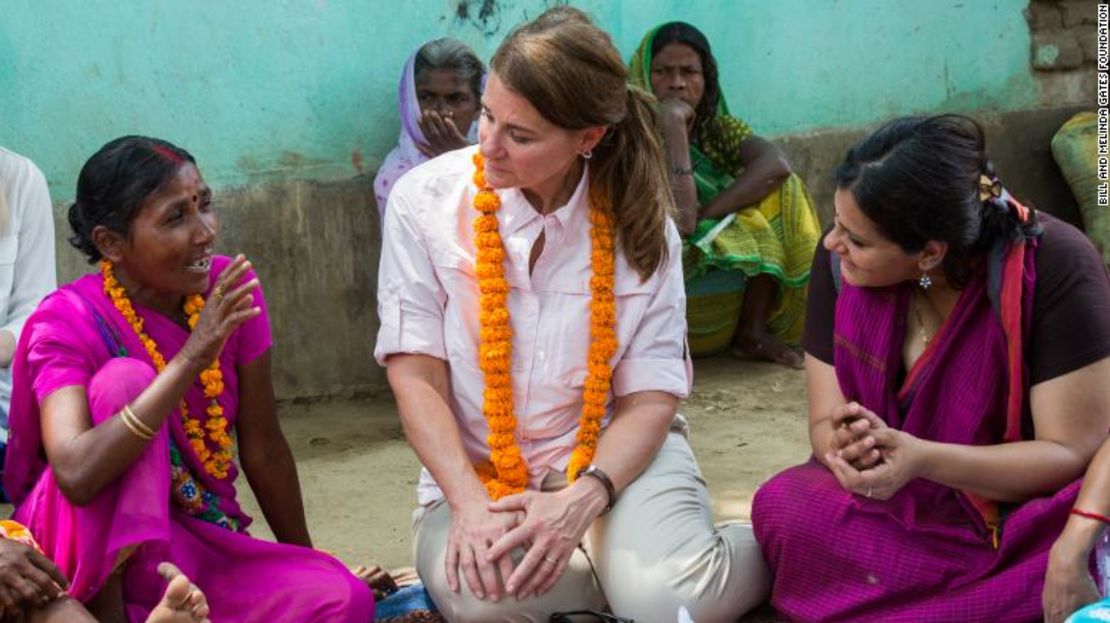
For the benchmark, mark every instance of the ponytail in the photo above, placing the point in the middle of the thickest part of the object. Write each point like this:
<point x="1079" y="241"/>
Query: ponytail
<point x="628" y="171"/>
<point x="82" y="233"/>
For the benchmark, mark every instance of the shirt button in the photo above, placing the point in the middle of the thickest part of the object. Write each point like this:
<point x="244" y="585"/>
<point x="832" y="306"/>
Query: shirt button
<point x="539" y="355"/>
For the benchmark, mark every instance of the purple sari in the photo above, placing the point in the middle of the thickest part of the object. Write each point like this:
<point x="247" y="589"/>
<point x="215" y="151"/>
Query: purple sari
<point x="930" y="553"/>
<point x="165" y="506"/>
<point x="405" y="155"/>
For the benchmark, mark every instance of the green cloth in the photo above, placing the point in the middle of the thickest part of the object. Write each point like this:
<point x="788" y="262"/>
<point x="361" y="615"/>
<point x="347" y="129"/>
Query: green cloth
<point x="776" y="236"/>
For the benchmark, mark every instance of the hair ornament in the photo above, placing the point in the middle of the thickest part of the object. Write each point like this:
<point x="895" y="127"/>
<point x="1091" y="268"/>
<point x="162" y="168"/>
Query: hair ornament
<point x="989" y="188"/>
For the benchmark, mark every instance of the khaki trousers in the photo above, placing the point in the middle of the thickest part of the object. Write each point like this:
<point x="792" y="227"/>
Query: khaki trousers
<point x="657" y="551"/>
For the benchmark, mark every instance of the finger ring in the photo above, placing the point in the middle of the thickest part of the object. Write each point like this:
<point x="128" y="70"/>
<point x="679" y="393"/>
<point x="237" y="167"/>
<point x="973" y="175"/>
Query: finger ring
<point x="218" y="293"/>
<point x="550" y="560"/>
<point x="869" y="492"/>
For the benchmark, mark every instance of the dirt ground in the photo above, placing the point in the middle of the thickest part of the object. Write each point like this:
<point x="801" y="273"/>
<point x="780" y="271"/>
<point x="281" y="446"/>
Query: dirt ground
<point x="359" y="476"/>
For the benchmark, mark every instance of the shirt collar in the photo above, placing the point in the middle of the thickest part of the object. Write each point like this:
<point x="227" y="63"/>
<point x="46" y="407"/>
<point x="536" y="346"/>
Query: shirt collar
<point x="517" y="213"/>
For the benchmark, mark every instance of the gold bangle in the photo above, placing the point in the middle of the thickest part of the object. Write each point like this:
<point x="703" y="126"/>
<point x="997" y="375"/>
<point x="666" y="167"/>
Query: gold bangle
<point x="131" y="427"/>
<point x="134" y="424"/>
<point x="138" y="422"/>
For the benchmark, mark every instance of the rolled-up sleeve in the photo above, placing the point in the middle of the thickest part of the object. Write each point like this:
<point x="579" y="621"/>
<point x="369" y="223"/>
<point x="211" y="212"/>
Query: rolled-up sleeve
<point x="410" y="296"/>
<point x="657" y="358"/>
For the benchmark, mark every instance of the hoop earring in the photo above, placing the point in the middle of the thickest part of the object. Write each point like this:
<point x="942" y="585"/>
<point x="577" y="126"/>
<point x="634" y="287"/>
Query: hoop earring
<point x="925" y="281"/>
<point x="586" y="155"/>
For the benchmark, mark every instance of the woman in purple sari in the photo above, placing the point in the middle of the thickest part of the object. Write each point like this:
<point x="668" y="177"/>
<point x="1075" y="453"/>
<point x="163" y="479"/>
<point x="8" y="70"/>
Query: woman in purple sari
<point x="958" y="346"/>
<point x="127" y="385"/>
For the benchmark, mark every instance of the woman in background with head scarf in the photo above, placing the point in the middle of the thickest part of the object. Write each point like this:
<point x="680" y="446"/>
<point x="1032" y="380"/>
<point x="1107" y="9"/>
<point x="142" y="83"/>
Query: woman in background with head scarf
<point x="439" y="100"/>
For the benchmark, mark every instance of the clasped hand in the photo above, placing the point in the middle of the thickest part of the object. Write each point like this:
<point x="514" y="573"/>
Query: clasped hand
<point x="28" y="580"/>
<point x="547" y="525"/>
<point x="868" y="457"/>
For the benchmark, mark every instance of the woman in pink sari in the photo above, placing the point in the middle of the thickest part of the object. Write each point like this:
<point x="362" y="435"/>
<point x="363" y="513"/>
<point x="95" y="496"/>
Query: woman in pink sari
<point x="958" y="346"/>
<point x="127" y="385"/>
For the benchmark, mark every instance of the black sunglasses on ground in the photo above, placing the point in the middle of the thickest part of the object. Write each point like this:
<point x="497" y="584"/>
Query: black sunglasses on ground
<point x="596" y="615"/>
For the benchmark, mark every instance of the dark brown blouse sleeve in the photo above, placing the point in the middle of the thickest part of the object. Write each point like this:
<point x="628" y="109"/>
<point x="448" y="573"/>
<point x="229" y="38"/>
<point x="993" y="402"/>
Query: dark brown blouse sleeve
<point x="817" y="340"/>
<point x="1071" y="304"/>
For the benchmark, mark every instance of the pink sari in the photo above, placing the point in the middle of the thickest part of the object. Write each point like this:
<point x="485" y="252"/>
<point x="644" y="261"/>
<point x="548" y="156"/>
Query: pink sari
<point x="76" y="337"/>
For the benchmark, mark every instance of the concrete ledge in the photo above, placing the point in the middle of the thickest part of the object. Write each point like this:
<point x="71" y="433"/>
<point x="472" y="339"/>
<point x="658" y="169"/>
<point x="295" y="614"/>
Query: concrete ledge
<point x="316" y="246"/>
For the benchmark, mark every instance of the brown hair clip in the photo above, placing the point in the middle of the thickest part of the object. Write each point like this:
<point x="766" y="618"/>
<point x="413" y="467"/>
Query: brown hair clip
<point x="992" y="189"/>
<point x="989" y="188"/>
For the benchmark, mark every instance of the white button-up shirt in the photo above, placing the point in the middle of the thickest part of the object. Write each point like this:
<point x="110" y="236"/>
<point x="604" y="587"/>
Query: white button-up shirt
<point x="27" y="269"/>
<point x="428" y="304"/>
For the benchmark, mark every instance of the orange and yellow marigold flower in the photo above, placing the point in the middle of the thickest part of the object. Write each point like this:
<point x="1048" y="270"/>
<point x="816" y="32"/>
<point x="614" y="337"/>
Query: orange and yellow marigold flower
<point x="215" y="463"/>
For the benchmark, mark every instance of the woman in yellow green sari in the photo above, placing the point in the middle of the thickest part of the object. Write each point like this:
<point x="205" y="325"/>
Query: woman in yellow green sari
<point x="749" y="226"/>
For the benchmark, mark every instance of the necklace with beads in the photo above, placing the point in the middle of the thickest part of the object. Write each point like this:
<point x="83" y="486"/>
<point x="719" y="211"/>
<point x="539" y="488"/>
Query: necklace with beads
<point x="926" y="335"/>
<point x="218" y="462"/>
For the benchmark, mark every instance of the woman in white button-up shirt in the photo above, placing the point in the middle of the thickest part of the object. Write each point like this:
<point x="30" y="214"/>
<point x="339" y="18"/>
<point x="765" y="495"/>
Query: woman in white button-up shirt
<point x="27" y="270"/>
<point x="558" y="125"/>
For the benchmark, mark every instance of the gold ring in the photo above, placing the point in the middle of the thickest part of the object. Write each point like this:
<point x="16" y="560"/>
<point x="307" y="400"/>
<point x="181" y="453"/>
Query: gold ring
<point x="218" y="293"/>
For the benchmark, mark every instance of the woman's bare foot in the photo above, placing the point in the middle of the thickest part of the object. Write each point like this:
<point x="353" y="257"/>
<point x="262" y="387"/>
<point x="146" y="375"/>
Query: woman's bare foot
<point x="182" y="602"/>
<point x="768" y="348"/>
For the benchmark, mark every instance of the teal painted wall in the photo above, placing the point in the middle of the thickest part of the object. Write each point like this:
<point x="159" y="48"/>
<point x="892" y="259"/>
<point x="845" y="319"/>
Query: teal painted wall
<point x="790" y="66"/>
<point x="267" y="89"/>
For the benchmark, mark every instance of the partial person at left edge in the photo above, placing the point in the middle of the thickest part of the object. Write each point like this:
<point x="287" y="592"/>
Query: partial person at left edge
<point x="27" y="265"/>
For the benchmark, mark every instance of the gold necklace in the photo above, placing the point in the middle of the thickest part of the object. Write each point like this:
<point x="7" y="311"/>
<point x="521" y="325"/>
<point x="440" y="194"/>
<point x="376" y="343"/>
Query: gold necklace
<point x="925" y="337"/>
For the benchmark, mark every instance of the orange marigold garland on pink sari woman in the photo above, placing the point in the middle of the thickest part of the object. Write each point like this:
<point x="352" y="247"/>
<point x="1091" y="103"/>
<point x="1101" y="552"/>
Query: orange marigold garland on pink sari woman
<point x="215" y="463"/>
<point x="506" y="472"/>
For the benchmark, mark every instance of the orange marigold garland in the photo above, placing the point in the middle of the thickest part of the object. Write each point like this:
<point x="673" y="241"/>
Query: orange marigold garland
<point x="216" y="463"/>
<point x="507" y="472"/>
<point x="603" y="339"/>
